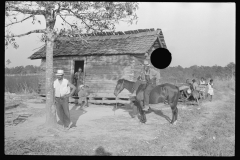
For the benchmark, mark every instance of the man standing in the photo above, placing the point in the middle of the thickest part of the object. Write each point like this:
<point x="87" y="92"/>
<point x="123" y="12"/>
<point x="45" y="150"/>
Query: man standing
<point x="62" y="93"/>
<point x="152" y="77"/>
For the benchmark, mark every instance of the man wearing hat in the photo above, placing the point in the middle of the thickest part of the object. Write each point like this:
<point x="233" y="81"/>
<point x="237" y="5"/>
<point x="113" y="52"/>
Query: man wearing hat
<point x="152" y="77"/>
<point x="62" y="93"/>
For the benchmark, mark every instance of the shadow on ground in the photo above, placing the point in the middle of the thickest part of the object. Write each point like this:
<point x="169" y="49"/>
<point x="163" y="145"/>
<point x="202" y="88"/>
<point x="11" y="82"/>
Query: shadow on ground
<point x="74" y="115"/>
<point x="133" y="111"/>
<point x="100" y="151"/>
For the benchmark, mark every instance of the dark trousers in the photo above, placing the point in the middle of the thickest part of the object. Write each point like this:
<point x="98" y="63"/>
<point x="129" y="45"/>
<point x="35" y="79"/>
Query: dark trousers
<point x="62" y="108"/>
<point x="147" y="93"/>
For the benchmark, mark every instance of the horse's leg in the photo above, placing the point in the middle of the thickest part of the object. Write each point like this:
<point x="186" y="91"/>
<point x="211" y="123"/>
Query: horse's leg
<point x="174" y="113"/>
<point x="197" y="101"/>
<point x="141" y="112"/>
<point x="143" y="115"/>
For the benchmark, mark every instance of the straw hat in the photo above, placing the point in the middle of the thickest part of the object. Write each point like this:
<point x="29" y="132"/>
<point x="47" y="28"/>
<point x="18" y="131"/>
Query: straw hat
<point x="146" y="63"/>
<point x="59" y="72"/>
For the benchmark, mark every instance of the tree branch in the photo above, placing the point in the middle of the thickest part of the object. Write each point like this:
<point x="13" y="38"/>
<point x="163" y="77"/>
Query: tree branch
<point x="19" y="21"/>
<point x="78" y="16"/>
<point x="34" y="31"/>
<point x="69" y="10"/>
<point x="25" y="11"/>
<point x="66" y="21"/>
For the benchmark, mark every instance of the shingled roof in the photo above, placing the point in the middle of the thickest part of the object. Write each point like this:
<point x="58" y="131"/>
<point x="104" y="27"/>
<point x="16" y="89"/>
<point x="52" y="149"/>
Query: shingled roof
<point x="128" y="42"/>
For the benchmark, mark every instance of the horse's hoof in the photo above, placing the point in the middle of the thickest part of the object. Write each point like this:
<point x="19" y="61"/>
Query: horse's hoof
<point x="133" y="116"/>
<point x="174" y="123"/>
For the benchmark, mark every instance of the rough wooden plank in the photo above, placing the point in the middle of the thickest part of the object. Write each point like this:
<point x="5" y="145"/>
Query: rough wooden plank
<point x="109" y="101"/>
<point x="119" y="96"/>
<point x="106" y="72"/>
<point x="102" y="93"/>
<point x="64" y="62"/>
<point x="97" y="79"/>
<point x="99" y="83"/>
<point x="112" y="67"/>
<point x="109" y="94"/>
<point x="113" y="59"/>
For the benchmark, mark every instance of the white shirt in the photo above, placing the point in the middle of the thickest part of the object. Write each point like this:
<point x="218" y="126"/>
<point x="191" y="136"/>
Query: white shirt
<point x="202" y="82"/>
<point x="210" y="89"/>
<point x="61" y="89"/>
<point x="210" y="86"/>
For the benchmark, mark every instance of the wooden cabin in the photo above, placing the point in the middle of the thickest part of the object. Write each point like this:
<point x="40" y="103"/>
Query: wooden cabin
<point x="105" y="58"/>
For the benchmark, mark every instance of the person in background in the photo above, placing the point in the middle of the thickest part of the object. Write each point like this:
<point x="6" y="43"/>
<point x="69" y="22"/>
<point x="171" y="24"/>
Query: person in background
<point x="62" y="93"/>
<point x="210" y="89"/>
<point x="202" y="81"/>
<point x="79" y="78"/>
<point x="195" y="85"/>
<point x="82" y="95"/>
<point x="202" y="86"/>
<point x="188" y="82"/>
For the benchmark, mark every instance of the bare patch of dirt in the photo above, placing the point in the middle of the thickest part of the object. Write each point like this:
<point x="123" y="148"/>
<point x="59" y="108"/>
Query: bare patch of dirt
<point x="99" y="131"/>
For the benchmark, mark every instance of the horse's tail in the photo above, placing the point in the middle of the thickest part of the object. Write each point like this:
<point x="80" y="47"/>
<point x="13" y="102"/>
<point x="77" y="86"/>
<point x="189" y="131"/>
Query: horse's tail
<point x="177" y="96"/>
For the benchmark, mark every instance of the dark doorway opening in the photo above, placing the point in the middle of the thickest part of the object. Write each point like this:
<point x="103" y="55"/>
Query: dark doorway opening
<point x="77" y="65"/>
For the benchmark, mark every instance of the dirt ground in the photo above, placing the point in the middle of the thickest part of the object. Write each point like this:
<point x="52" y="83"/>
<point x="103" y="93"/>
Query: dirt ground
<point x="100" y="131"/>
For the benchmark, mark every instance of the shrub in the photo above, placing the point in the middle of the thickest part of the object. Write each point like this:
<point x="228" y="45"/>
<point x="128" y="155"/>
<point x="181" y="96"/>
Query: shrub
<point x="224" y="84"/>
<point x="21" y="83"/>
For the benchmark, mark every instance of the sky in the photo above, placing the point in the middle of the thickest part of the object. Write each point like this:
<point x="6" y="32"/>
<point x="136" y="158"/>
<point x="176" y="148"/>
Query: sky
<point x="200" y="34"/>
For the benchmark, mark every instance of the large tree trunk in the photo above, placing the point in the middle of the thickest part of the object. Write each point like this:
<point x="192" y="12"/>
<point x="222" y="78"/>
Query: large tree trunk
<point x="50" y="108"/>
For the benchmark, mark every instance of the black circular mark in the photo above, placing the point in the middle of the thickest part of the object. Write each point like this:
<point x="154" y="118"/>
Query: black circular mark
<point x="161" y="58"/>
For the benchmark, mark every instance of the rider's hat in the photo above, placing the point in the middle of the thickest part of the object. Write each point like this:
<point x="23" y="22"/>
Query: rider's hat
<point x="146" y="63"/>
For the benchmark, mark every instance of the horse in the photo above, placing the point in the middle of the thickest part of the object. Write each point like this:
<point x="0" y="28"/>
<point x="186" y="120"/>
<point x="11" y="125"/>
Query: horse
<point x="159" y="94"/>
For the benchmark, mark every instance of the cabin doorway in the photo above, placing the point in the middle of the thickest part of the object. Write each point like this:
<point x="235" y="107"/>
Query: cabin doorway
<point x="77" y="65"/>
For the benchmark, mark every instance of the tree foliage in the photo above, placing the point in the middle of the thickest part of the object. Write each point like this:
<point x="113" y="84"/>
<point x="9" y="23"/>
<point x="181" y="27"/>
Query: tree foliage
<point x="181" y="74"/>
<point x="29" y="69"/>
<point x="76" y="17"/>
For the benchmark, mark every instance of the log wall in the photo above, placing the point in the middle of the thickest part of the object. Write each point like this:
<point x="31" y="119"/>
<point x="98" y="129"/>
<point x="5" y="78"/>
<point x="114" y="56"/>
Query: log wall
<point x="101" y="72"/>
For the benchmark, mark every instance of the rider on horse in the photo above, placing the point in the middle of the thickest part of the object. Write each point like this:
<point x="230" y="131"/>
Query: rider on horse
<point x="152" y="78"/>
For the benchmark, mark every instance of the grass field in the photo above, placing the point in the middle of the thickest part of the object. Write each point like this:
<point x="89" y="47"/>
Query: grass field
<point x="22" y="84"/>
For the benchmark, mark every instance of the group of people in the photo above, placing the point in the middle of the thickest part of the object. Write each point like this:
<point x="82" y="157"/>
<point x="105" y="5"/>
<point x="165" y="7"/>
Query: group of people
<point x="63" y="89"/>
<point x="195" y="86"/>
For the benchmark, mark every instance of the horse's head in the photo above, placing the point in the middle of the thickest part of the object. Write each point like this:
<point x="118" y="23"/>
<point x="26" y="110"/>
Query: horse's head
<point x="119" y="87"/>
